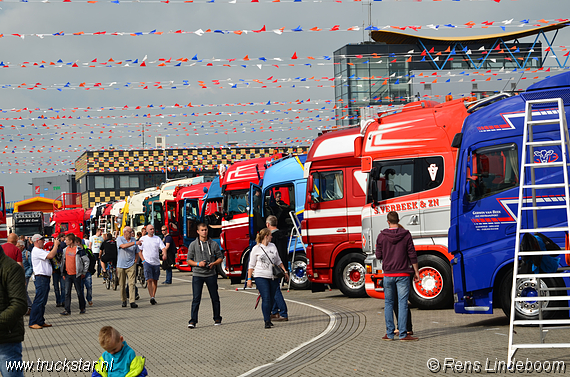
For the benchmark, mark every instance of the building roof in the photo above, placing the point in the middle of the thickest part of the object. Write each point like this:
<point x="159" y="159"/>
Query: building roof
<point x="394" y="37"/>
<point x="37" y="203"/>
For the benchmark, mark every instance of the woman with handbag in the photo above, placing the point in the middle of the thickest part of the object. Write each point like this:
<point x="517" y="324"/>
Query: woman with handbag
<point x="266" y="266"/>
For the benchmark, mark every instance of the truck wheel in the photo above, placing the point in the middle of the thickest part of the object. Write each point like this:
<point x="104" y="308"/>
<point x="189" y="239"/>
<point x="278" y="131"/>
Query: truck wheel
<point x="435" y="289"/>
<point x="528" y="310"/>
<point x="349" y="274"/>
<point x="299" y="278"/>
<point x="221" y="269"/>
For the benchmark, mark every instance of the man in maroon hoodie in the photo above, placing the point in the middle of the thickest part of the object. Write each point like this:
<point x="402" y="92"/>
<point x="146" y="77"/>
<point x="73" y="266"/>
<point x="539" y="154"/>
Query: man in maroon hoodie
<point x="395" y="248"/>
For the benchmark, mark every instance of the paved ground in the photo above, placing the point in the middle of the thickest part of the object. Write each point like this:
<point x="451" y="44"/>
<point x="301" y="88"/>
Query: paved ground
<point x="328" y="335"/>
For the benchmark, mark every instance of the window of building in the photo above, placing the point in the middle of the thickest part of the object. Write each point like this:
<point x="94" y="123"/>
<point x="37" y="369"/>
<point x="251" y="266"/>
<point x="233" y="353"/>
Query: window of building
<point x="128" y="181"/>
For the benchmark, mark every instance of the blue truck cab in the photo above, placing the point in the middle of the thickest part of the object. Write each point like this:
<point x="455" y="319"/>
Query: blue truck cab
<point x="484" y="200"/>
<point x="281" y="191"/>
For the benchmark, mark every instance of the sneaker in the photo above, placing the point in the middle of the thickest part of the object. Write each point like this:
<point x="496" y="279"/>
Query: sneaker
<point x="82" y="311"/>
<point x="408" y="338"/>
<point x="90" y="303"/>
<point x="36" y="327"/>
<point x="279" y="318"/>
<point x="153" y="301"/>
<point x="124" y="304"/>
<point x="137" y="297"/>
<point x="134" y="305"/>
<point x="385" y="337"/>
<point x="46" y="325"/>
<point x="164" y="282"/>
<point x="29" y="311"/>
<point x="217" y="322"/>
<point x="65" y="313"/>
<point x="191" y="325"/>
<point x="267" y="324"/>
<point x="274" y="316"/>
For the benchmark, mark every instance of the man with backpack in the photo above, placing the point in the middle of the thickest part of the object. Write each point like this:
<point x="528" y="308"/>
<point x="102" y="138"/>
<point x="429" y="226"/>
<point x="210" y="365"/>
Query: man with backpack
<point x="87" y="282"/>
<point x="75" y="264"/>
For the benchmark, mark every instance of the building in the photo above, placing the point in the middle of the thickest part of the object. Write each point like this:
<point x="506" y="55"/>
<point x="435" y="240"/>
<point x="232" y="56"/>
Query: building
<point x="396" y="67"/>
<point x="106" y="176"/>
<point x="52" y="187"/>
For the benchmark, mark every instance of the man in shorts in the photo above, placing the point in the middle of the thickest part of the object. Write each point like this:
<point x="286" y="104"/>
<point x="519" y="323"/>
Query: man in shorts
<point x="152" y="247"/>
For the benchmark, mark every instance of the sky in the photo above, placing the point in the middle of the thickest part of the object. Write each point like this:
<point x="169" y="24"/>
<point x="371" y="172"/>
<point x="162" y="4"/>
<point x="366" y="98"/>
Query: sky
<point x="268" y="100"/>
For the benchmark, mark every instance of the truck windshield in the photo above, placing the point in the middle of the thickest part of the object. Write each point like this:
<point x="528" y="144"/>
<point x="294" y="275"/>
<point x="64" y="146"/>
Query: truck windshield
<point x="237" y="202"/>
<point x="28" y="229"/>
<point x="494" y="169"/>
<point x="138" y="219"/>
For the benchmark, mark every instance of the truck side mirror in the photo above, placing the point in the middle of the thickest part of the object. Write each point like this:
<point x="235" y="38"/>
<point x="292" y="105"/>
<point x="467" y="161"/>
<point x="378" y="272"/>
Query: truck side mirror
<point x="373" y="179"/>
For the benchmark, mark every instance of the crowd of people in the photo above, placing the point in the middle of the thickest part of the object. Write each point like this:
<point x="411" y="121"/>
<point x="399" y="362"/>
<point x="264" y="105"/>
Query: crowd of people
<point x="70" y="262"/>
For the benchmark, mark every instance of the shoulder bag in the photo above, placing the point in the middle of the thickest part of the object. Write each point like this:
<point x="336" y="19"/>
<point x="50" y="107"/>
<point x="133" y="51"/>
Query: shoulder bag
<point x="277" y="271"/>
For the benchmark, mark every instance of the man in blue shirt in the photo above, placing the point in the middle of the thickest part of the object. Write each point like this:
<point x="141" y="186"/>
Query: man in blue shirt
<point x="127" y="254"/>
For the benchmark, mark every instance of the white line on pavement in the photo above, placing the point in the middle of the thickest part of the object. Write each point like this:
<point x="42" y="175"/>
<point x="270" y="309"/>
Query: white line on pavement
<point x="282" y="357"/>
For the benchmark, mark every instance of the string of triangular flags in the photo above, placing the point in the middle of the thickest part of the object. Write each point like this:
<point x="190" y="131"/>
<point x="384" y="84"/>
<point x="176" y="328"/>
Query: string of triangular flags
<point x="503" y="25"/>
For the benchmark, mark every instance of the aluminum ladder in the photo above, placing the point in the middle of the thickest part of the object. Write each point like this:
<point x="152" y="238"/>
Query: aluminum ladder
<point x="528" y="162"/>
<point x="294" y="236"/>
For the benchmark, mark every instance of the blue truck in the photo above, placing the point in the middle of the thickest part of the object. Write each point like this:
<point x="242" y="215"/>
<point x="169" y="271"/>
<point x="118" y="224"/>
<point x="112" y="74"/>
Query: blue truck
<point x="282" y="190"/>
<point x="484" y="200"/>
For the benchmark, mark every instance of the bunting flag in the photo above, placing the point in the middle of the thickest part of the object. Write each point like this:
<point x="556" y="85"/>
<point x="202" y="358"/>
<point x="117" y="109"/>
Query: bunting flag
<point x="159" y="107"/>
<point x="261" y="61"/>
<point x="223" y="2"/>
<point x="297" y="82"/>
<point x="279" y="31"/>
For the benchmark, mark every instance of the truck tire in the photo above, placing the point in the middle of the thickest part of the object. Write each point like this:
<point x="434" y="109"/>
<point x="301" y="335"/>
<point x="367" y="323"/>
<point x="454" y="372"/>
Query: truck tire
<point x="349" y="275"/>
<point x="299" y="278"/>
<point x="221" y="269"/>
<point x="435" y="289"/>
<point x="527" y="288"/>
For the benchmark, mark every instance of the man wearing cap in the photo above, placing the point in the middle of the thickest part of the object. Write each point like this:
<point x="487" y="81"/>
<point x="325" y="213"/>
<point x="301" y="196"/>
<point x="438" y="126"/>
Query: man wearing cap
<point x="42" y="270"/>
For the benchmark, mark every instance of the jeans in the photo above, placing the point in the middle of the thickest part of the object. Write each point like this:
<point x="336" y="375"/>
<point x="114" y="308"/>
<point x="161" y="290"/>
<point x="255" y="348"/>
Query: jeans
<point x="267" y="289"/>
<point x="10" y="352"/>
<point x="98" y="264"/>
<point x="77" y="282"/>
<point x="168" y="279"/>
<point x="279" y="305"/>
<point x="40" y="301"/>
<point x="396" y="288"/>
<point x="87" y="282"/>
<point x="123" y="273"/>
<point x="28" y="294"/>
<point x="58" y="288"/>
<point x="197" y="286"/>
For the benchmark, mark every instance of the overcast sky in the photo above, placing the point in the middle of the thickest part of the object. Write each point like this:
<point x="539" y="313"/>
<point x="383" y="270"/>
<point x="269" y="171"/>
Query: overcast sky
<point x="50" y="149"/>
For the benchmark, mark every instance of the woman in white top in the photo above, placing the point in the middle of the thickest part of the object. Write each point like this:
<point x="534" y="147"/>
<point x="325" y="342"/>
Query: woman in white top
<point x="262" y="256"/>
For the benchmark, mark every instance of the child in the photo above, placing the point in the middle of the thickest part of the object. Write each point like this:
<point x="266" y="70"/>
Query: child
<point x="118" y="359"/>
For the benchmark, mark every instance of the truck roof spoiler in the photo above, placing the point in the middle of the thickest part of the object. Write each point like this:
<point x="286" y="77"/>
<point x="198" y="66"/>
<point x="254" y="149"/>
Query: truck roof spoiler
<point x="476" y="105"/>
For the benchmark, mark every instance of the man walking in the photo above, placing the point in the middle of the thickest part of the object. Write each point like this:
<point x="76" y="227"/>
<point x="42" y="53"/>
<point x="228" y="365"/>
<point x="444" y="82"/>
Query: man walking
<point x="152" y="247"/>
<point x="13" y="306"/>
<point x="74" y="266"/>
<point x="203" y="255"/>
<point x="127" y="251"/>
<point x="395" y="248"/>
<point x="279" y="310"/>
<point x="42" y="271"/>
<point x="95" y="242"/>
<point x="168" y="256"/>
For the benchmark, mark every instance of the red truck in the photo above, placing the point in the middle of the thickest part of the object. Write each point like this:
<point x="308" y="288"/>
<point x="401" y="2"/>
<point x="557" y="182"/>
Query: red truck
<point x="235" y="238"/>
<point x="68" y="215"/>
<point x="331" y="227"/>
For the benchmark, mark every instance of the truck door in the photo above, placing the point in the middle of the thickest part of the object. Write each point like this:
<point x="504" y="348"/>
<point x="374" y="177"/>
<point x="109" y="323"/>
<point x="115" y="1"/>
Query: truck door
<point x="433" y="204"/>
<point x="396" y="182"/>
<point x="256" y="219"/>
<point x="327" y="218"/>
<point x="488" y="195"/>
<point x="190" y="212"/>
